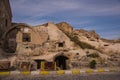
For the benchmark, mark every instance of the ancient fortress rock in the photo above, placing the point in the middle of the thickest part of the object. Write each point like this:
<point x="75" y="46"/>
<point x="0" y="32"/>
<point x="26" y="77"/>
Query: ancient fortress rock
<point x="69" y="48"/>
<point x="54" y="33"/>
<point x="49" y="42"/>
<point x="65" y="27"/>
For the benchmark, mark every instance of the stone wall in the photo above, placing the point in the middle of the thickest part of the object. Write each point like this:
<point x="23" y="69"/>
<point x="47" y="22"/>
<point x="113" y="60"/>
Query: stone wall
<point x="5" y="16"/>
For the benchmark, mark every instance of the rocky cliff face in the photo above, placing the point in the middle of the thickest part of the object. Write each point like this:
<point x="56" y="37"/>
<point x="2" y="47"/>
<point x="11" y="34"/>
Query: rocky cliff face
<point x="55" y="33"/>
<point x="111" y="41"/>
<point x="81" y="46"/>
<point x="90" y="37"/>
<point x="90" y="40"/>
<point x="65" y="27"/>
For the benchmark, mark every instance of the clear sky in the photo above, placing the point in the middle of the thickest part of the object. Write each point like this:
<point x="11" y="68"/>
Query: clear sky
<point x="103" y="16"/>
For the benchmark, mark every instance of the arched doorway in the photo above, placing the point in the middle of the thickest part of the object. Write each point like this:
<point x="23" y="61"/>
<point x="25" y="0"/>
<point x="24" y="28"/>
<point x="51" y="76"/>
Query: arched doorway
<point x="61" y="62"/>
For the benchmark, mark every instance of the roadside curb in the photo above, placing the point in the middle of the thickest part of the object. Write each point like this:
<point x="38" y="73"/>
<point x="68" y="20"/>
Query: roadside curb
<point x="59" y="72"/>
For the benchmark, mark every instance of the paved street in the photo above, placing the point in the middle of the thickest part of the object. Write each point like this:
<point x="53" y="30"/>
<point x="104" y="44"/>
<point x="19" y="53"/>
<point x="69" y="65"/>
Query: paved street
<point x="84" y="76"/>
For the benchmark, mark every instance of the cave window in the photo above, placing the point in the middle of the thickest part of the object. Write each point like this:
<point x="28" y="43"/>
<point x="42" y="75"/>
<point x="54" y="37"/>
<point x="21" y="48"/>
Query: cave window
<point x="77" y="53"/>
<point x="6" y="22"/>
<point x="26" y="37"/>
<point x="61" y="44"/>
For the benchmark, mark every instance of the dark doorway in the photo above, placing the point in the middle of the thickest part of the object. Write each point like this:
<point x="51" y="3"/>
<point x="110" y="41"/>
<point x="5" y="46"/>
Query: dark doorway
<point x="60" y="44"/>
<point x="38" y="61"/>
<point x="61" y="62"/>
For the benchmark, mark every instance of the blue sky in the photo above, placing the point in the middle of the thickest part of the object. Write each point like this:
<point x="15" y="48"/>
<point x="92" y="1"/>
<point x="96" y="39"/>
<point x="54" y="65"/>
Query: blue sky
<point x="103" y="16"/>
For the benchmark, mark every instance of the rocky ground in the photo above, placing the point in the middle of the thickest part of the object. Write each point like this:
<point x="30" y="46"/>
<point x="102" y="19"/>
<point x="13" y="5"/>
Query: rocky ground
<point x="93" y="76"/>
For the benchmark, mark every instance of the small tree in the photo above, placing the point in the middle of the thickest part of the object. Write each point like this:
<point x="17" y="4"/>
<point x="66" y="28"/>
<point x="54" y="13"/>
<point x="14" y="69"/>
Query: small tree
<point x="93" y="64"/>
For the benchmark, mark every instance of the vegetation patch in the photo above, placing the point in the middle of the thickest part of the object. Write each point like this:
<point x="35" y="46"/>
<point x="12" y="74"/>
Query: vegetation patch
<point x="93" y="55"/>
<point x="83" y="45"/>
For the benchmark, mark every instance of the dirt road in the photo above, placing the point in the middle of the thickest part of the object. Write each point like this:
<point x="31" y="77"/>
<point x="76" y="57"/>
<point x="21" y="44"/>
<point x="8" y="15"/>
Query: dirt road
<point x="93" y="76"/>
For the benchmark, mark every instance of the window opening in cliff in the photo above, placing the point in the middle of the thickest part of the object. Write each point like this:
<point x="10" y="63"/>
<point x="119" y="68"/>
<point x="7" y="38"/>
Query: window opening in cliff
<point x="77" y="53"/>
<point x="38" y="61"/>
<point x="60" y="44"/>
<point x="26" y="37"/>
<point x="6" y="22"/>
<point x="61" y="62"/>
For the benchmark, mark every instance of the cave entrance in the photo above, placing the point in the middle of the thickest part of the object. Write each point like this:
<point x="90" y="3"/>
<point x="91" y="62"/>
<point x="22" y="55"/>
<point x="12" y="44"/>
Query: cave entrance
<point x="38" y="61"/>
<point x="61" y="62"/>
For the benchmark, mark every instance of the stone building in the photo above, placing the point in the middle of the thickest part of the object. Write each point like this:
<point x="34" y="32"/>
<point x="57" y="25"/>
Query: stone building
<point x="5" y="16"/>
<point x="22" y="35"/>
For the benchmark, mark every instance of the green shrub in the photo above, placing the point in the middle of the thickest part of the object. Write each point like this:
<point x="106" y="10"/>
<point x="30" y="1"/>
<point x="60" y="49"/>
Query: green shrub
<point x="92" y="64"/>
